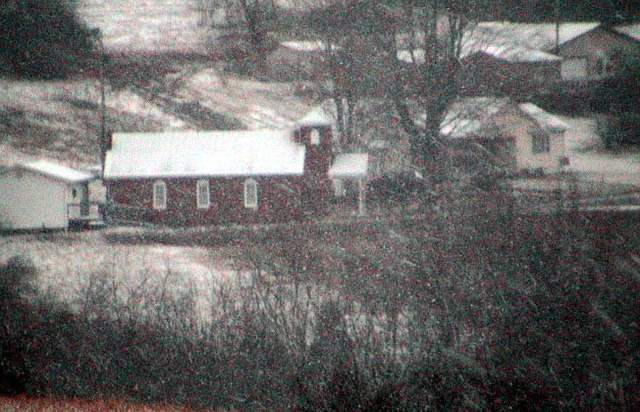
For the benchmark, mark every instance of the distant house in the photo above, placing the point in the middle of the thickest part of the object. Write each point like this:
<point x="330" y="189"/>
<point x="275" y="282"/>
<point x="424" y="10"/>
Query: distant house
<point x="508" y="69"/>
<point x="588" y="50"/>
<point x="44" y="195"/>
<point x="192" y="178"/>
<point x="502" y="133"/>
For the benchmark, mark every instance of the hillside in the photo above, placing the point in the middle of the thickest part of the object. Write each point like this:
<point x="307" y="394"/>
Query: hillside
<point x="61" y="119"/>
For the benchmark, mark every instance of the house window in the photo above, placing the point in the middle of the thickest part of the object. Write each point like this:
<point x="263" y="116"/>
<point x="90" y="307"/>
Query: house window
<point x="159" y="195"/>
<point x="250" y="194"/>
<point x="315" y="137"/>
<point x="202" y="194"/>
<point x="540" y="142"/>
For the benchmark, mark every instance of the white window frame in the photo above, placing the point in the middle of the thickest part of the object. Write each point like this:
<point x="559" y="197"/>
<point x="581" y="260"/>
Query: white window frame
<point x="314" y="137"/>
<point x="250" y="194"/>
<point x="203" y="199"/>
<point x="159" y="198"/>
<point x="540" y="142"/>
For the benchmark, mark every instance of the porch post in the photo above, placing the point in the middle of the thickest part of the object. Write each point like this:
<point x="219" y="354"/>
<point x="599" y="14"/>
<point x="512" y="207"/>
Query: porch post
<point x="362" y="209"/>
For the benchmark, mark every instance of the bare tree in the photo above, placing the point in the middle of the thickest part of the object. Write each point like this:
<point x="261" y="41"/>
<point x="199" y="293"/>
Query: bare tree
<point x="254" y="17"/>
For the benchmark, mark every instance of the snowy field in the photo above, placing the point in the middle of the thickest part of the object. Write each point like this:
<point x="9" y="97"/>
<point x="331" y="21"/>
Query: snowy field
<point x="146" y="25"/>
<point x="72" y="263"/>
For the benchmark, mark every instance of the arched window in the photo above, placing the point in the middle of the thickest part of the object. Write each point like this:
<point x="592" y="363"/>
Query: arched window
<point x="315" y="137"/>
<point x="202" y="194"/>
<point x="159" y="195"/>
<point x="250" y="194"/>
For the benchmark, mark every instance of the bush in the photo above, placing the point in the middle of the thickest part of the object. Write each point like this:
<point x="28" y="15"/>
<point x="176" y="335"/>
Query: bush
<point x="622" y="129"/>
<point x="16" y="281"/>
<point x="43" y="39"/>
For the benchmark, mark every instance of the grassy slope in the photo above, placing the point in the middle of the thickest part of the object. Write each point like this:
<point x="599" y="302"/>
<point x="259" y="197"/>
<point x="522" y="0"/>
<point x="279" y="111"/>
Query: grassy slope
<point x="61" y="120"/>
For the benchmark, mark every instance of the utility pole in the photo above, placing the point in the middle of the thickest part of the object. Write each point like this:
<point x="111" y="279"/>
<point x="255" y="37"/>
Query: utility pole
<point x="103" y="112"/>
<point x="557" y="18"/>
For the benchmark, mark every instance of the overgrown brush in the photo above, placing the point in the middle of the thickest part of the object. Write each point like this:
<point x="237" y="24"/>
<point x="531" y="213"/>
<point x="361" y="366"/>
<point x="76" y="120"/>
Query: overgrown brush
<point x="474" y="309"/>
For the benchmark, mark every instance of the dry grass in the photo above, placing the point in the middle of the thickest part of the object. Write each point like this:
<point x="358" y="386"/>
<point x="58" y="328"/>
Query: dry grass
<point x="33" y="404"/>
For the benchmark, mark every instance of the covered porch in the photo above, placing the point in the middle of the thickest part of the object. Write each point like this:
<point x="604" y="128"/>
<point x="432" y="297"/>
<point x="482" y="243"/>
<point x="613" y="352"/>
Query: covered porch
<point x="351" y="169"/>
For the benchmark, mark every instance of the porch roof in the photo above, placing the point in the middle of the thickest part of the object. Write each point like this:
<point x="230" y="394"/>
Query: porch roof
<point x="349" y="166"/>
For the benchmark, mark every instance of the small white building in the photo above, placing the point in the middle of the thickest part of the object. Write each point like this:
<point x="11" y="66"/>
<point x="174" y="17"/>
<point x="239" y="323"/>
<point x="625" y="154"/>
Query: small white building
<point x="43" y="195"/>
<point x="354" y="168"/>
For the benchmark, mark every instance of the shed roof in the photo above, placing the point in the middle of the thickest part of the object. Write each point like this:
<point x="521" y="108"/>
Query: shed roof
<point x="322" y="115"/>
<point x="212" y="153"/>
<point x="56" y="171"/>
<point x="349" y="165"/>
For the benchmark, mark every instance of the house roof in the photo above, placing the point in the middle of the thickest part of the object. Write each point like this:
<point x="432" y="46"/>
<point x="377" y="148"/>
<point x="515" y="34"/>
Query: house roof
<point x="411" y="56"/>
<point x="322" y="115"/>
<point x="474" y="116"/>
<point x="213" y="153"/>
<point x="514" y="54"/>
<point x="471" y="116"/>
<point x="56" y="171"/>
<point x="546" y="120"/>
<point x="536" y="36"/>
<point x="305" y="45"/>
<point x="631" y="30"/>
<point x="349" y="165"/>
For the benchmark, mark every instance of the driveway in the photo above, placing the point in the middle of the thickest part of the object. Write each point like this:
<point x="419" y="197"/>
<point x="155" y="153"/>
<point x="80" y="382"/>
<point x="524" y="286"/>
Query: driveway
<point x="592" y="163"/>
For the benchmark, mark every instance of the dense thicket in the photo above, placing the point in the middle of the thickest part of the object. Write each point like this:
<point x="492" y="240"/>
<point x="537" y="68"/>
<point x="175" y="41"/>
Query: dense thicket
<point x="608" y="11"/>
<point x="470" y="307"/>
<point x="43" y="39"/>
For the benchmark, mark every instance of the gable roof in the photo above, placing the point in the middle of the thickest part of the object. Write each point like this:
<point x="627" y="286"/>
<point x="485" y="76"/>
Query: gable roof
<point x="212" y="153"/>
<point x="513" y="54"/>
<point x="631" y="30"/>
<point x="55" y="171"/>
<point x="536" y="36"/>
<point x="545" y="120"/>
<point x="474" y="116"/>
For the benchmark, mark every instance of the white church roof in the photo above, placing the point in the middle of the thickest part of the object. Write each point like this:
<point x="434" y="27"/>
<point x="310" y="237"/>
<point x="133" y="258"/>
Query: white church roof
<point x="212" y="153"/>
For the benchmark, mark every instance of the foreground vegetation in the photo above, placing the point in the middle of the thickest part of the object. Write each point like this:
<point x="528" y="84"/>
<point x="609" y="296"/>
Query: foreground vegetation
<point x="471" y="306"/>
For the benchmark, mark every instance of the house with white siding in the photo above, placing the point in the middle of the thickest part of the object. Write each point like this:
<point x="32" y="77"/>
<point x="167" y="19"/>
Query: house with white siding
<point x="503" y="133"/>
<point x="44" y="195"/>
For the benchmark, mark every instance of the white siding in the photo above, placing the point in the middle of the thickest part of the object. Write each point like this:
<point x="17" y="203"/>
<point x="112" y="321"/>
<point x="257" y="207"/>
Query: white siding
<point x="549" y="161"/>
<point x="31" y="201"/>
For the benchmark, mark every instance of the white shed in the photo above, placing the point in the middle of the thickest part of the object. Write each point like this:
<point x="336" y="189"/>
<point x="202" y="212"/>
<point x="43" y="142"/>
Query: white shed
<point x="353" y="167"/>
<point x="42" y="195"/>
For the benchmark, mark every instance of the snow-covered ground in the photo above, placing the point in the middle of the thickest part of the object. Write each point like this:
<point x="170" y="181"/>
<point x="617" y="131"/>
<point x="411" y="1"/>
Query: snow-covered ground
<point x="146" y="25"/>
<point x="256" y="104"/>
<point x="68" y="263"/>
<point x="159" y="25"/>
<point x="592" y="163"/>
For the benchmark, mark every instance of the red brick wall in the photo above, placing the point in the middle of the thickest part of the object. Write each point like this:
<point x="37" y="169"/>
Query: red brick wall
<point x="279" y="198"/>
